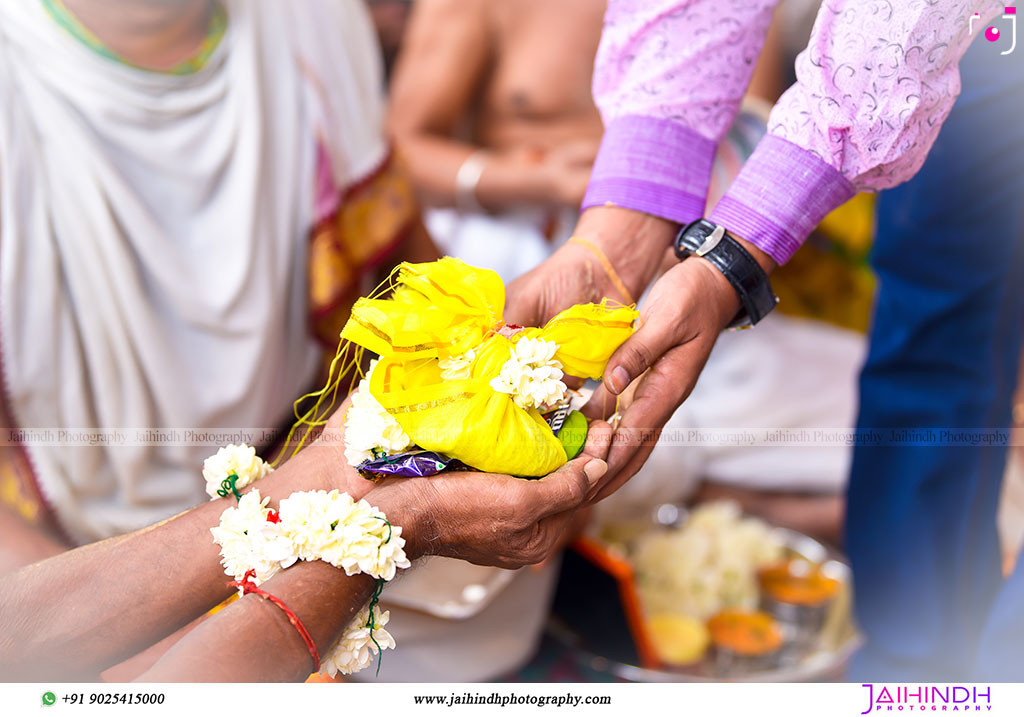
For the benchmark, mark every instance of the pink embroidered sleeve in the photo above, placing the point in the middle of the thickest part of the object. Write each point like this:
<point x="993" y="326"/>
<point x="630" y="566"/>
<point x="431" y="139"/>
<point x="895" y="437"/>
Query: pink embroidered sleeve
<point x="874" y="86"/>
<point x="668" y="79"/>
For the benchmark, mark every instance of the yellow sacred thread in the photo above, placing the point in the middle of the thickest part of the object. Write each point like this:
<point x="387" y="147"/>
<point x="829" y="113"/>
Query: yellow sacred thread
<point x="613" y="276"/>
<point x="346" y="358"/>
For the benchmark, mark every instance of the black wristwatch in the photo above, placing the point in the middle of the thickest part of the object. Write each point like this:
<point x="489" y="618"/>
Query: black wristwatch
<point x="713" y="242"/>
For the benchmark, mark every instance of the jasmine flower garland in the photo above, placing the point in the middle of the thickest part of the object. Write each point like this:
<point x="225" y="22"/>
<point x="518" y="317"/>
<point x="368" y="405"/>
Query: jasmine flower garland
<point x="362" y="639"/>
<point x="347" y="534"/>
<point x="249" y="539"/>
<point x="317" y="525"/>
<point x="457" y="368"/>
<point x="238" y="462"/>
<point x="370" y="431"/>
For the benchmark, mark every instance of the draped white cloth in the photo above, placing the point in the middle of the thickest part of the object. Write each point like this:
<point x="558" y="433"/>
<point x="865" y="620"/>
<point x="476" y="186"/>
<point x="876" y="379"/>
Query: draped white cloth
<point x="153" y="235"/>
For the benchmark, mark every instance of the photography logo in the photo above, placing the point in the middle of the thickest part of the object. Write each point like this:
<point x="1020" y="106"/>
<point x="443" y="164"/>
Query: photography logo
<point x="993" y="33"/>
<point x="927" y="698"/>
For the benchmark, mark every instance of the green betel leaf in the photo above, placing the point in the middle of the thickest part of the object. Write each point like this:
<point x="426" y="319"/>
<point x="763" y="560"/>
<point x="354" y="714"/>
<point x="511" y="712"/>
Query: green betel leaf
<point x="573" y="434"/>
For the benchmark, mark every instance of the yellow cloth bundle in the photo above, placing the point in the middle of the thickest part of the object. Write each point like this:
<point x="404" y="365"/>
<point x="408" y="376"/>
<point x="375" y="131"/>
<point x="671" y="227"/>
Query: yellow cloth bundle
<point x="447" y="310"/>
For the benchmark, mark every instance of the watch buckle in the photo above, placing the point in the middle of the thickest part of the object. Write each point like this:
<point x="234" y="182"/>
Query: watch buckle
<point x="711" y="242"/>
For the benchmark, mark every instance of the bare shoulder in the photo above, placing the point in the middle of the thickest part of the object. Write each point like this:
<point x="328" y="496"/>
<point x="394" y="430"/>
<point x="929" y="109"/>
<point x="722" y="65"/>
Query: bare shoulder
<point x="446" y="54"/>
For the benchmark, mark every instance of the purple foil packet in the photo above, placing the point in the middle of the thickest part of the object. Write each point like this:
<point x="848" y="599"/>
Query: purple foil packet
<point x="409" y="464"/>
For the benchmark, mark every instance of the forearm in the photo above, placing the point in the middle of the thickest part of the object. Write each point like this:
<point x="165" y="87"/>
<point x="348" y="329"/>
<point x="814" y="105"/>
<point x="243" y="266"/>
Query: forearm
<point x="22" y="543"/>
<point x="505" y="182"/>
<point x="123" y="594"/>
<point x="252" y="640"/>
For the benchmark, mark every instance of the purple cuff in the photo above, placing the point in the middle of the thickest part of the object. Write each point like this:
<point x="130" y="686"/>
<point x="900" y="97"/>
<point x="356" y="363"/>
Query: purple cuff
<point x="654" y="166"/>
<point x="780" y="196"/>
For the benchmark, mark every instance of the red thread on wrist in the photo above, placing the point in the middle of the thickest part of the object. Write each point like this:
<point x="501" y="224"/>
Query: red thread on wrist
<point x="249" y="586"/>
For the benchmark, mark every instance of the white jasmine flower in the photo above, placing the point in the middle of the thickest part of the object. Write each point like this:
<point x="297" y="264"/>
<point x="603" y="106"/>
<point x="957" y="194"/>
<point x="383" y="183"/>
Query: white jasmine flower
<point x="274" y="548"/>
<point x="536" y="351"/>
<point x="248" y="541"/>
<point x="532" y="376"/>
<point x="240" y="460"/>
<point x="347" y="534"/>
<point x="309" y="518"/>
<point x="355" y="649"/>
<point x="365" y="550"/>
<point x="457" y="368"/>
<point x="370" y="431"/>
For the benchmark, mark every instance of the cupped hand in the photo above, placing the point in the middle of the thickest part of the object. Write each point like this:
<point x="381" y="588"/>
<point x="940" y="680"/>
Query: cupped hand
<point x="682" y="317"/>
<point x="565" y="170"/>
<point x="323" y="461"/>
<point x="634" y="245"/>
<point x="491" y="519"/>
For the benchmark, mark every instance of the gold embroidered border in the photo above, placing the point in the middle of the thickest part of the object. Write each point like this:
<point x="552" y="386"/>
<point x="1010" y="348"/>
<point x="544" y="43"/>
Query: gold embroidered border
<point x="426" y="405"/>
<point x="383" y="336"/>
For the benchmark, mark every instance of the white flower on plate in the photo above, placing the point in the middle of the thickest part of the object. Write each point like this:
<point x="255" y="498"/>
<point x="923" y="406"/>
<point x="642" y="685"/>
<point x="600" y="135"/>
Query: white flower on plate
<point x="240" y="460"/>
<point x="457" y="368"/>
<point x="347" y="534"/>
<point x="248" y="541"/>
<point x="371" y="431"/>
<point x="532" y="376"/>
<point x="355" y="649"/>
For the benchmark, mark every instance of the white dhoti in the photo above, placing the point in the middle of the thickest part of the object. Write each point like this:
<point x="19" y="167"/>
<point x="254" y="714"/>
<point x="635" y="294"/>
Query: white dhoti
<point x="510" y="243"/>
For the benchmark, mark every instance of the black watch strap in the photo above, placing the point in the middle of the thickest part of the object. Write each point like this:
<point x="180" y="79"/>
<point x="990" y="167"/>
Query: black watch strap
<point x="708" y="240"/>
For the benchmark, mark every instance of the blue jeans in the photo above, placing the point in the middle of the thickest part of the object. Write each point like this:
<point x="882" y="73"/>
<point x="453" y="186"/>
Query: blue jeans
<point x="945" y="350"/>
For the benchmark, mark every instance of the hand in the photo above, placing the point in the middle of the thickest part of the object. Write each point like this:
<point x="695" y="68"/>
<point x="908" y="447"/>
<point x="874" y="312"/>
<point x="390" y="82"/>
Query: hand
<point x="565" y="171"/>
<point x="679" y="323"/>
<point x="323" y="461"/>
<point x="634" y="244"/>
<point x="530" y="176"/>
<point x="490" y="519"/>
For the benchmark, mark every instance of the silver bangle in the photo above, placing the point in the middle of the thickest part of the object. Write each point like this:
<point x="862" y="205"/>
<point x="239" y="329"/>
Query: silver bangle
<point x="466" y="180"/>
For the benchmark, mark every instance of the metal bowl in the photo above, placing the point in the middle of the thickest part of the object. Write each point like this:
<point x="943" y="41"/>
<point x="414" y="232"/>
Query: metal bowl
<point x="818" y="642"/>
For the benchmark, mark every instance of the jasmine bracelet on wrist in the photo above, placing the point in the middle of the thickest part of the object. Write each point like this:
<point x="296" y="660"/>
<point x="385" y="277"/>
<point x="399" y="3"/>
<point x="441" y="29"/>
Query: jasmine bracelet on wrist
<point x="231" y="468"/>
<point x="256" y="542"/>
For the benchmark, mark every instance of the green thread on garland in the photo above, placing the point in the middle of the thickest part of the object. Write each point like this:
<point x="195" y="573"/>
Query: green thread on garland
<point x="388" y="523"/>
<point x="228" y="487"/>
<point x="371" y="624"/>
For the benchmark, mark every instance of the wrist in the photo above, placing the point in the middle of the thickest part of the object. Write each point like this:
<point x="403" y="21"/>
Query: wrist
<point x="404" y="510"/>
<point x="633" y="242"/>
<point x="721" y="294"/>
<point x="763" y="258"/>
<point x="511" y="180"/>
<point x="730" y="257"/>
<point x="467" y="180"/>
